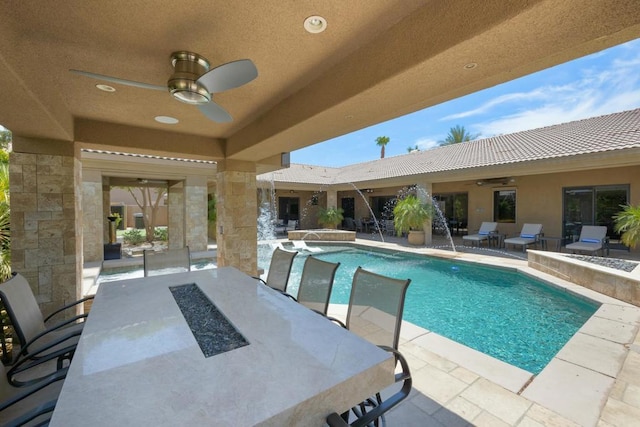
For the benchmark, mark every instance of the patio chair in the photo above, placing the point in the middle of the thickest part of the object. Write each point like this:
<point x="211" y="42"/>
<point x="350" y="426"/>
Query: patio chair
<point x="530" y="235"/>
<point x="167" y="262"/>
<point x="486" y="228"/>
<point x="375" y="312"/>
<point x="349" y="224"/>
<point x="31" y="404"/>
<point x="279" y="269"/>
<point x="593" y="238"/>
<point x="302" y="245"/>
<point x="359" y="225"/>
<point x="37" y="341"/>
<point x="388" y="227"/>
<point x="316" y="284"/>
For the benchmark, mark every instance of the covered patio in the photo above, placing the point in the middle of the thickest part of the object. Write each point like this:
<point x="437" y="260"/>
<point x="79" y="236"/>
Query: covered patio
<point x="83" y="75"/>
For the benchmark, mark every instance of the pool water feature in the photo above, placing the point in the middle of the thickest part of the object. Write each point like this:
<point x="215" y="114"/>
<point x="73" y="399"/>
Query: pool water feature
<point x="505" y="314"/>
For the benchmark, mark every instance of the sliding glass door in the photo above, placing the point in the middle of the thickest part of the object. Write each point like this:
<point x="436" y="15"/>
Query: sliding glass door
<point x="593" y="206"/>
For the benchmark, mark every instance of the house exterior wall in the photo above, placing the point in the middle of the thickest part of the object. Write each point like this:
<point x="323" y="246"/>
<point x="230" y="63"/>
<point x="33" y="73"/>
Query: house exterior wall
<point x="122" y="197"/>
<point x="539" y="197"/>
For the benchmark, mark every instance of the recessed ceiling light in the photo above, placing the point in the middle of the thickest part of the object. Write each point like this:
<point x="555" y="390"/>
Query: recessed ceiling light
<point x="106" y="88"/>
<point x="166" y="120"/>
<point x="315" y="24"/>
<point x="470" y="66"/>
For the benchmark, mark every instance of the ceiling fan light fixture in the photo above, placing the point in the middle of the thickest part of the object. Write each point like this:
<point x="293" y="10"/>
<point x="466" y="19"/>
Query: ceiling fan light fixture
<point x="183" y="83"/>
<point x="189" y="91"/>
<point x="315" y="24"/>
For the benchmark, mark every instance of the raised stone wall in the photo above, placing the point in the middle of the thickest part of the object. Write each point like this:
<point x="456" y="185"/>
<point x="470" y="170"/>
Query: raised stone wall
<point x="614" y="283"/>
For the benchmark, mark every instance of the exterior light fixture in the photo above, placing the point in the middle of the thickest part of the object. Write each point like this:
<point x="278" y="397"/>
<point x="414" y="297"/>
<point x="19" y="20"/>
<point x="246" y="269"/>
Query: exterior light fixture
<point x="315" y="24"/>
<point x="166" y="120"/>
<point x="106" y="88"/>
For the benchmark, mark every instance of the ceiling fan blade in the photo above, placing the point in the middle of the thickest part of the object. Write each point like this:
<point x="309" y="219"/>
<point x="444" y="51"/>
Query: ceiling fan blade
<point x="228" y="76"/>
<point x="119" y="81"/>
<point x="215" y="112"/>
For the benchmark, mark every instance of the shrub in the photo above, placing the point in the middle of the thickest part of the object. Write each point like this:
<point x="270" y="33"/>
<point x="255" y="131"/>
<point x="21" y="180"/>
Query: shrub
<point x="160" y="233"/>
<point x="133" y="237"/>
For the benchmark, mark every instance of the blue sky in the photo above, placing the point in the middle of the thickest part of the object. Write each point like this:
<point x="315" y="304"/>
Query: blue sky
<point x="602" y="83"/>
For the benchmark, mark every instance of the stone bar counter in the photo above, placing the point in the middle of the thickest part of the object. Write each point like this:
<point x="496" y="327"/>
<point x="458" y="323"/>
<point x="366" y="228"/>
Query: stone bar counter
<point x="213" y="347"/>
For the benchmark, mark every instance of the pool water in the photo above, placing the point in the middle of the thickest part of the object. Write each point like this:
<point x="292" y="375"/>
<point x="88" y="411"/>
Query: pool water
<point x="505" y="314"/>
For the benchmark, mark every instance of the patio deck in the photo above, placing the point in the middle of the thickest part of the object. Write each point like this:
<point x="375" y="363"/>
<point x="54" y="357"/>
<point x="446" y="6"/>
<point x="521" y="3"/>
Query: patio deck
<point x="594" y="379"/>
<point x="458" y="386"/>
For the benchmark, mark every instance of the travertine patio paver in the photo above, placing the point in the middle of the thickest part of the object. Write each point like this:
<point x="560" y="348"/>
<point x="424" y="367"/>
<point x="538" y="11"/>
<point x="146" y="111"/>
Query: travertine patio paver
<point x="570" y="390"/>
<point x="594" y="353"/>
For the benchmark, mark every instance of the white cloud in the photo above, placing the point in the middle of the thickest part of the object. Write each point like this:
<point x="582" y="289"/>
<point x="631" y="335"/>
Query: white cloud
<point x="426" y="143"/>
<point x="594" y="93"/>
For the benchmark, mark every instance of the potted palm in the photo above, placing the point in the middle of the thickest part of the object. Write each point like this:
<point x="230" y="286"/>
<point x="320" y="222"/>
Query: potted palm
<point x="330" y="217"/>
<point x="410" y="214"/>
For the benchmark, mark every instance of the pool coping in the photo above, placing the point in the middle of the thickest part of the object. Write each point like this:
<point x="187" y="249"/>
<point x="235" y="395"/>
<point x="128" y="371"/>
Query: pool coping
<point x="579" y="379"/>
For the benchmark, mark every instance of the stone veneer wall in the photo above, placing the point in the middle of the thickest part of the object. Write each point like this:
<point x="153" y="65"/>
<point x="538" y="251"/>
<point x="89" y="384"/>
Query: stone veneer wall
<point x="195" y="197"/>
<point x="176" y="209"/>
<point x="46" y="245"/>
<point x="237" y="217"/>
<point x="92" y="217"/>
<point x="622" y="286"/>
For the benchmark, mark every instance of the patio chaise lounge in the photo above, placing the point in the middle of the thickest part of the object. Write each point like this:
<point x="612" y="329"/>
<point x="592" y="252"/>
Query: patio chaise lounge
<point x="530" y="235"/>
<point x="486" y="228"/>
<point x="302" y="245"/>
<point x="593" y="238"/>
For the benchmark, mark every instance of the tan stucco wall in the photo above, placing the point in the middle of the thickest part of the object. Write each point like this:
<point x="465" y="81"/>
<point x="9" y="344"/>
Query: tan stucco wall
<point x="539" y="197"/>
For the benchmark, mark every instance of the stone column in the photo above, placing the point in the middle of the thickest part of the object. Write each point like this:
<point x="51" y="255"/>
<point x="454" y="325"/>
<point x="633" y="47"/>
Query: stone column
<point x="425" y="195"/>
<point x="46" y="220"/>
<point x="93" y="217"/>
<point x="332" y="199"/>
<point x="237" y="208"/>
<point x="195" y="197"/>
<point x="176" y="215"/>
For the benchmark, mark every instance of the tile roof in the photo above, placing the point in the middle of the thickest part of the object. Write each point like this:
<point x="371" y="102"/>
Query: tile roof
<point x="618" y="131"/>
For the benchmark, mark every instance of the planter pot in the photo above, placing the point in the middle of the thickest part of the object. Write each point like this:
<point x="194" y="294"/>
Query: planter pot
<point x="416" y="238"/>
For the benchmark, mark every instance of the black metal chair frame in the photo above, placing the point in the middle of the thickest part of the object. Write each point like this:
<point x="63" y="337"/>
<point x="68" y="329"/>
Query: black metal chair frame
<point x="34" y="350"/>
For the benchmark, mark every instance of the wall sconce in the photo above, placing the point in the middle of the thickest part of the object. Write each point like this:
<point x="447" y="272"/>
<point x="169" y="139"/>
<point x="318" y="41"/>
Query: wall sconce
<point x="291" y="191"/>
<point x="369" y="190"/>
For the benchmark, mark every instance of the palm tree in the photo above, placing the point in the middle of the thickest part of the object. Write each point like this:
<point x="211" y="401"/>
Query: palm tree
<point x="382" y="141"/>
<point x="458" y="134"/>
<point x="628" y="223"/>
<point x="410" y="149"/>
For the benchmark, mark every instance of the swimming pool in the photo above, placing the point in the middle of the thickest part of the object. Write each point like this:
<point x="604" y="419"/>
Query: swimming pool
<point x="502" y="313"/>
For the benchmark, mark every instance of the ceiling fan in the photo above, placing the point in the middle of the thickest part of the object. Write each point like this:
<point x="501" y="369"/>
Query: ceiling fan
<point x="193" y="82"/>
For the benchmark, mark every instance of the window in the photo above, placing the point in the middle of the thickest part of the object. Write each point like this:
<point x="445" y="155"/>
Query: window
<point x="504" y="206"/>
<point x="382" y="206"/>
<point x="288" y="208"/>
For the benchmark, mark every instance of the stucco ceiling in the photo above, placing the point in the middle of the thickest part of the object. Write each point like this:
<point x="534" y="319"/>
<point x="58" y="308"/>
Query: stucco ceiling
<point x="376" y="60"/>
